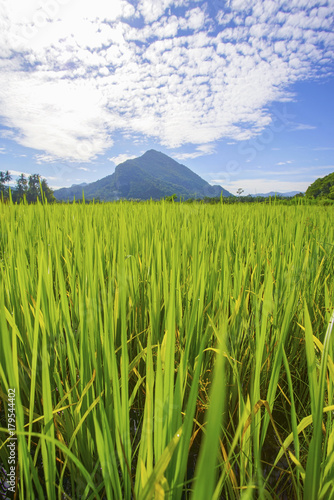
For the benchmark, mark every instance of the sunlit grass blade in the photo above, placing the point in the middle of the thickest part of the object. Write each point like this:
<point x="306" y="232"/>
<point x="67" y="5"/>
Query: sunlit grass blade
<point x="206" y="468"/>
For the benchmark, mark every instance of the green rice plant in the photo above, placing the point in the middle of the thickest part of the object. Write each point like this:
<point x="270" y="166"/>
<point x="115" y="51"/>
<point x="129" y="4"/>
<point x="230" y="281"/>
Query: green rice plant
<point x="168" y="351"/>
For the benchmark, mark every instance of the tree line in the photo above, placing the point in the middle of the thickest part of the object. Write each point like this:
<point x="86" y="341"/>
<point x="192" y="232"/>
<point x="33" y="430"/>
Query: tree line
<point x="32" y="188"/>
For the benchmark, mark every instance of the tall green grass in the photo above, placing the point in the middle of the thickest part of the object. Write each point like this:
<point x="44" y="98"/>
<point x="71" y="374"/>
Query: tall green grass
<point x="165" y="350"/>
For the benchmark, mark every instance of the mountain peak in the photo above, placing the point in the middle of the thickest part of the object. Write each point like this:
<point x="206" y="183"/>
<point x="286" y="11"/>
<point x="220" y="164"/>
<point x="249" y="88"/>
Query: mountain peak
<point x="154" y="152"/>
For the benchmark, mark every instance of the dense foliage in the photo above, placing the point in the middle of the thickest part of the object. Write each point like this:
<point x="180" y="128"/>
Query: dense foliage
<point x="322" y="187"/>
<point x="168" y="350"/>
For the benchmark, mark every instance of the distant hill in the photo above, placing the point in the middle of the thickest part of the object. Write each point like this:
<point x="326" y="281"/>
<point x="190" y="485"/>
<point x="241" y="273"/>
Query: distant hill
<point x="153" y="175"/>
<point x="322" y="187"/>
<point x="81" y="185"/>
<point x="273" y="193"/>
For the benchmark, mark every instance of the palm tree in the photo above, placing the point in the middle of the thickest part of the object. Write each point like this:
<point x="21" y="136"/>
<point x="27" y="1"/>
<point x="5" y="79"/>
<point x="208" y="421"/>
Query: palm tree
<point x="21" y="187"/>
<point x="2" y="181"/>
<point x="34" y="188"/>
<point x="8" y="177"/>
<point x="4" y="178"/>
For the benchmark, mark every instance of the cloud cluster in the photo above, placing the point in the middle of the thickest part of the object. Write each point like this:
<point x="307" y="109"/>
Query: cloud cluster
<point x="75" y="72"/>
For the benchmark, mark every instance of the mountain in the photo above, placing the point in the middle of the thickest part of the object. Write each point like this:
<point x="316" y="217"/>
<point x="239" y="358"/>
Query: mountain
<point x="322" y="187"/>
<point x="273" y="193"/>
<point x="153" y="175"/>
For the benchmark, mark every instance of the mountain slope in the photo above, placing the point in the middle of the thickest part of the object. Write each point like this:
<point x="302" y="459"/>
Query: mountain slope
<point x="153" y="175"/>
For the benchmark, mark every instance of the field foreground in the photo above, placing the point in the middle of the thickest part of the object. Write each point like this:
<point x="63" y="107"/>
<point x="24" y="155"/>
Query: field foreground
<point x="162" y="350"/>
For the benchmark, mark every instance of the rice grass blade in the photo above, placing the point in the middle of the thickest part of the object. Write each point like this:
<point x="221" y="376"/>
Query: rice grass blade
<point x="313" y="466"/>
<point x="205" y="473"/>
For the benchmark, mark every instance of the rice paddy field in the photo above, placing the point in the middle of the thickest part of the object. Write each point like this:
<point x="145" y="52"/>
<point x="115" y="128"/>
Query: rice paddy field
<point x="168" y="350"/>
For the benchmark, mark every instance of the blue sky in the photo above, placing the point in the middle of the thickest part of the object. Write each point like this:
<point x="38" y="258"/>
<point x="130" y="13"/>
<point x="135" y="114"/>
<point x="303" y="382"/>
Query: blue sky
<point x="240" y="91"/>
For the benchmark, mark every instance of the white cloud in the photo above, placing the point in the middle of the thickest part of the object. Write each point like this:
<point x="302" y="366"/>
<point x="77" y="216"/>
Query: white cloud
<point x="196" y="19"/>
<point x="151" y="10"/>
<point x="17" y="173"/>
<point x="203" y="150"/>
<point x="121" y="158"/>
<point x="73" y="73"/>
<point x="187" y="156"/>
<point x="287" y="162"/>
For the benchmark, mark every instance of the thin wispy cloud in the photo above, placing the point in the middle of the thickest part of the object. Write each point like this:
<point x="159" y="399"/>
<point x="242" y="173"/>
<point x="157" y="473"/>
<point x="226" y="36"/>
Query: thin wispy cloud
<point x="44" y="158"/>
<point x="204" y="150"/>
<point x="303" y="126"/>
<point x="74" y="73"/>
<point x="311" y="172"/>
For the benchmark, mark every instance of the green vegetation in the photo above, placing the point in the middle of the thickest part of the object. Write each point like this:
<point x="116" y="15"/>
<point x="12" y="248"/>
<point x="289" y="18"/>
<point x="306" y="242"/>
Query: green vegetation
<point x="30" y="189"/>
<point x="299" y="199"/>
<point x="168" y="350"/>
<point x="322" y="187"/>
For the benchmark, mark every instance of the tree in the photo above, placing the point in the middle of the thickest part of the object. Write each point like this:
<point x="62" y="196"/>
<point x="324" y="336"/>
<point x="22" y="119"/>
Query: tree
<point x="171" y="198"/>
<point x="5" y="177"/>
<point x="47" y="191"/>
<point x="2" y="182"/>
<point x="331" y="193"/>
<point x="39" y="189"/>
<point x="21" y="187"/>
<point x="8" y="177"/>
<point x="34" y="191"/>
